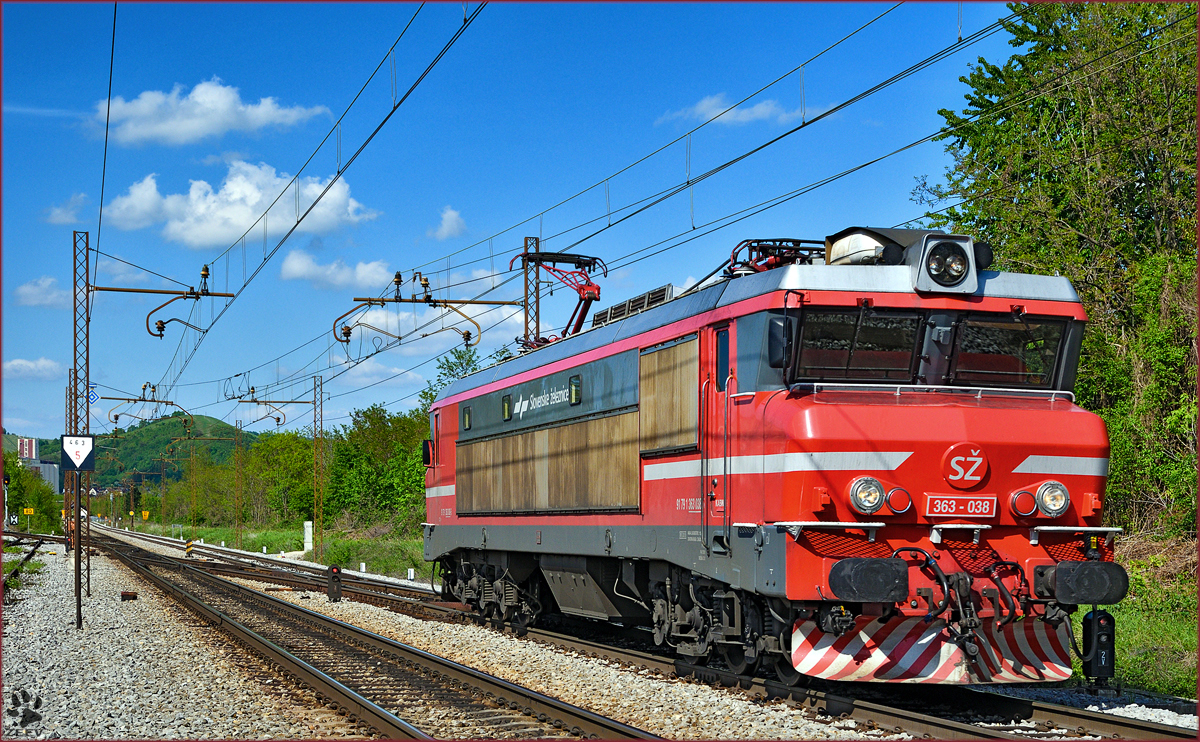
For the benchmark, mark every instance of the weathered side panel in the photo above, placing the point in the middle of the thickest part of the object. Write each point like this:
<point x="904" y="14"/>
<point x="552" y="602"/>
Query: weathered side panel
<point x="589" y="465"/>
<point x="613" y="461"/>
<point x="669" y="393"/>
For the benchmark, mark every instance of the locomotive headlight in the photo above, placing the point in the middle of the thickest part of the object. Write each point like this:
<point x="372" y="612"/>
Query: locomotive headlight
<point x="947" y="263"/>
<point x="866" y="495"/>
<point x="956" y="265"/>
<point x="1053" y="499"/>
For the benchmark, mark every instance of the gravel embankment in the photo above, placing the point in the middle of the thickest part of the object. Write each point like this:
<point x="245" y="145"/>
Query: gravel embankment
<point x="139" y="669"/>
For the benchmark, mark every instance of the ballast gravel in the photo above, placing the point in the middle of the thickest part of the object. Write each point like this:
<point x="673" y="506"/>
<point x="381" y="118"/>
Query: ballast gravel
<point x="671" y="708"/>
<point x="139" y="669"/>
<point x="1129" y="703"/>
<point x="667" y="707"/>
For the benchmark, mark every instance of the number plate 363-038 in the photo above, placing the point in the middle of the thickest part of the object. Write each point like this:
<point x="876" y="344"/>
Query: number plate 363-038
<point x="964" y="506"/>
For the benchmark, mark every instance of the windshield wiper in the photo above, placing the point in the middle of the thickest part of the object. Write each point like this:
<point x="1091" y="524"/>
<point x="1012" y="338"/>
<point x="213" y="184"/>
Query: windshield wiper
<point x="862" y="308"/>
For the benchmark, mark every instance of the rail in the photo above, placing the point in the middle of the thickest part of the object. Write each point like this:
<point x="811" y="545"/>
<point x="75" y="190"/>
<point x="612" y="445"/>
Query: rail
<point x="379" y="720"/>
<point x="503" y="693"/>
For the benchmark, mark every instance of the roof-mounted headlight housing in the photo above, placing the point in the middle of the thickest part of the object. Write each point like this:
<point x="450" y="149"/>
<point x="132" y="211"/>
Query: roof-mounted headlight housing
<point x="945" y="263"/>
<point x="866" y="495"/>
<point x="1053" y="499"/>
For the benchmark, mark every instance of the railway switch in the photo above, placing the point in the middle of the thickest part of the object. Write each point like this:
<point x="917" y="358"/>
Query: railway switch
<point x="333" y="588"/>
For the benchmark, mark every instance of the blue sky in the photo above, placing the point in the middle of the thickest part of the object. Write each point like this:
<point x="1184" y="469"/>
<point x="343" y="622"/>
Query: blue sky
<point x="215" y="107"/>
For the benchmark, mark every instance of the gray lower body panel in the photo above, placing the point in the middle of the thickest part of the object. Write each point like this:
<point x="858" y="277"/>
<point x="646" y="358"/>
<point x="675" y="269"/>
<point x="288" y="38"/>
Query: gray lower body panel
<point x="753" y="561"/>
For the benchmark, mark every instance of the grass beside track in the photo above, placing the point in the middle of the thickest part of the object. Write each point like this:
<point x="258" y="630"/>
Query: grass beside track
<point x="1156" y="623"/>
<point x="392" y="557"/>
<point x="383" y="551"/>
<point x="31" y="568"/>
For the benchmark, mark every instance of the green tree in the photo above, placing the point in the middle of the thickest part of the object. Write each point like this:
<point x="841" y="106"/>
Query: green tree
<point x="1077" y="156"/>
<point x="376" y="472"/>
<point x="404" y="480"/>
<point x="279" y="472"/>
<point x="28" y="490"/>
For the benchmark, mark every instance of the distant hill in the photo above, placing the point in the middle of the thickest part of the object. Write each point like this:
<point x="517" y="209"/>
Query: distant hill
<point x="49" y="449"/>
<point x="138" y="446"/>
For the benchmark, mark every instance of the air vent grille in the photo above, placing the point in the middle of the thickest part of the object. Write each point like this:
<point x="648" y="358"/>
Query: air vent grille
<point x="637" y="304"/>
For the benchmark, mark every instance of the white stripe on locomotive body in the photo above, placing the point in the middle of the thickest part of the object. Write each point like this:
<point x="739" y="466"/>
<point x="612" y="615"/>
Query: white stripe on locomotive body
<point x="444" y="491"/>
<point x="1064" y="466"/>
<point x="779" y="463"/>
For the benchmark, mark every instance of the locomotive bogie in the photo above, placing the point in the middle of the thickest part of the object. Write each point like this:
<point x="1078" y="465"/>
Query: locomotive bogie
<point x="846" y="471"/>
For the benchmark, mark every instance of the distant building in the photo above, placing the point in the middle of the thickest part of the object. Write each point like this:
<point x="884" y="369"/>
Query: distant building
<point x="47" y="471"/>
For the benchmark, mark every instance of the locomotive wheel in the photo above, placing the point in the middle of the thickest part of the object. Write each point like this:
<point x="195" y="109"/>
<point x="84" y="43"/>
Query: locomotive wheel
<point x="520" y="623"/>
<point x="735" y="659"/>
<point x="787" y="674"/>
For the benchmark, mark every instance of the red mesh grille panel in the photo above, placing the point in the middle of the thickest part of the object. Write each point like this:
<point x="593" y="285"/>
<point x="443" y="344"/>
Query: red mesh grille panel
<point x="973" y="558"/>
<point x="1072" y="551"/>
<point x="842" y="545"/>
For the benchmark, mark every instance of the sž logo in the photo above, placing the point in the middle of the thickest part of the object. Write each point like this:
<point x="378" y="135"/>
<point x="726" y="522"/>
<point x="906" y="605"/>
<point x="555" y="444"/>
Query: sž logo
<point x="964" y="465"/>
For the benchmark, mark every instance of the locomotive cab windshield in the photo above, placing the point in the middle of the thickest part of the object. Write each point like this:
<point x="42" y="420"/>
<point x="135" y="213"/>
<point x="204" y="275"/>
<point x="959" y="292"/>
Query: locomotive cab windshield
<point x="898" y="346"/>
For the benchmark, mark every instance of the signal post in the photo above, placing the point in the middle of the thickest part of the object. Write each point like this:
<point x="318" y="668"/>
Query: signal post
<point x="78" y="455"/>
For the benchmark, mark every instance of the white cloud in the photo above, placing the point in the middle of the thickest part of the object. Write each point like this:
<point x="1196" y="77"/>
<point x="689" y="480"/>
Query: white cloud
<point x="67" y="213"/>
<point x="711" y="106"/>
<point x="121" y="273"/>
<point x="452" y="225"/>
<point x="210" y="109"/>
<point x="203" y="218"/>
<point x="12" y="108"/>
<point x="42" y="368"/>
<point x="370" y="371"/>
<point x="43" y="292"/>
<point x="222" y="159"/>
<point x="299" y="265"/>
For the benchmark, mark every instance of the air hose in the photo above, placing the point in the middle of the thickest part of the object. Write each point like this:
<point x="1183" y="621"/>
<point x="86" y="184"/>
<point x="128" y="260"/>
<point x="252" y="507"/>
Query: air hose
<point x="937" y="571"/>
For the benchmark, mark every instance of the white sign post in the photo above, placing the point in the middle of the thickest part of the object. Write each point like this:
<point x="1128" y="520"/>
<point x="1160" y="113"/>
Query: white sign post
<point x="78" y="454"/>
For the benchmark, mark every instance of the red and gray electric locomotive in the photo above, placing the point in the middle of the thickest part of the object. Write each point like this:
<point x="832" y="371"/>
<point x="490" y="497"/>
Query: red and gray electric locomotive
<point x="852" y="459"/>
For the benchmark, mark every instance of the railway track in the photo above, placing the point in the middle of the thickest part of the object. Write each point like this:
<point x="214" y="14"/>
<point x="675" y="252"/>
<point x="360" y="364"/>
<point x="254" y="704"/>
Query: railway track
<point x="396" y="691"/>
<point x="945" y="707"/>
